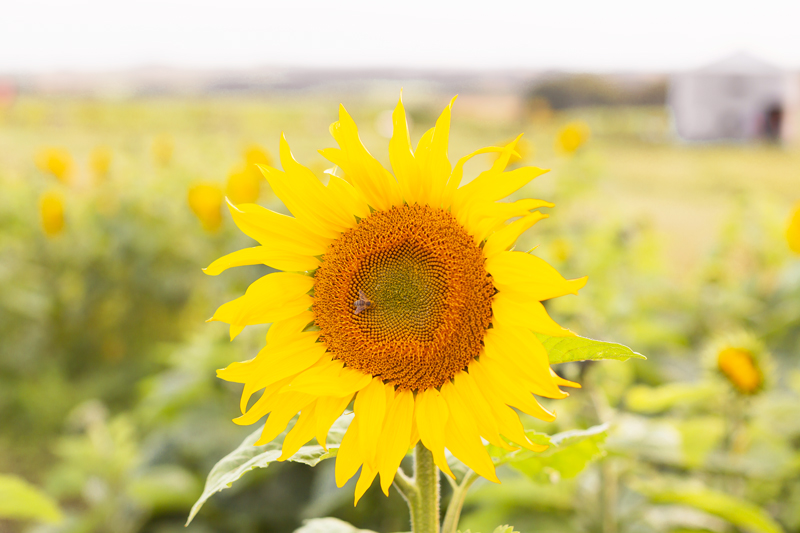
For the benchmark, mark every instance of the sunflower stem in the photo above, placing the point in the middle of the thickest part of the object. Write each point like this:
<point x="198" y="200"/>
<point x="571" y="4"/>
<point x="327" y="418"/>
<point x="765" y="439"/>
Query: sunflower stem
<point x="425" y="510"/>
<point x="457" y="502"/>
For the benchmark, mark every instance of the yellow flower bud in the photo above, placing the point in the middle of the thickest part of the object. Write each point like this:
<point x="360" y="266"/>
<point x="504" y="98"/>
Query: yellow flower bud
<point x="793" y="230"/>
<point x="162" y="149"/>
<point x="55" y="161"/>
<point x="205" y="200"/>
<point x="244" y="186"/>
<point x="100" y="162"/>
<point x="572" y="136"/>
<point x="51" y="209"/>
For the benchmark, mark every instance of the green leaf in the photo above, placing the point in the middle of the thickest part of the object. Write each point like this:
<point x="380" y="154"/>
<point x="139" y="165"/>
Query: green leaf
<point x="329" y="525"/>
<point x="567" y="456"/>
<point x="247" y="457"/>
<point x="568" y="349"/>
<point x="740" y="513"/>
<point x="21" y="500"/>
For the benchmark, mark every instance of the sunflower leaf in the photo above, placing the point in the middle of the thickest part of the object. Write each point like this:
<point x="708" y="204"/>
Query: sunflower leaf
<point x="568" y="454"/>
<point x="21" y="500"/>
<point x="568" y="349"/>
<point x="743" y="514"/>
<point x="248" y="456"/>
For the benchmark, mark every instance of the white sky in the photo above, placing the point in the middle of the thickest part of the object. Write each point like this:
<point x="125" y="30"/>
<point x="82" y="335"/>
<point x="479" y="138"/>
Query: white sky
<point x="596" y="35"/>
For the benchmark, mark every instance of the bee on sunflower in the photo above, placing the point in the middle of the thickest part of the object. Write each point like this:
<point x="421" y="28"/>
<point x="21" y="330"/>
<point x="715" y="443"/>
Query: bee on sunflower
<point x="399" y="293"/>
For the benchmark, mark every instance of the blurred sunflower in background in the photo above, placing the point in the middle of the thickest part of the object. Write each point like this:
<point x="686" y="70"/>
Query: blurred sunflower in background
<point x="205" y="201"/>
<point x="51" y="211"/>
<point x="793" y="229"/>
<point x="571" y="137"/>
<point x="397" y="293"/>
<point x="741" y="361"/>
<point x="56" y="161"/>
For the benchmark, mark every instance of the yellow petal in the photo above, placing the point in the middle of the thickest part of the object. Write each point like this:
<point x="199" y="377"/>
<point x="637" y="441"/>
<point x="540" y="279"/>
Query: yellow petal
<point x="349" y="458"/>
<point x="527" y="313"/>
<point x="565" y="382"/>
<point x="519" y="352"/>
<point x="462" y="439"/>
<point x="502" y="240"/>
<point x="328" y="410"/>
<point x="526" y="274"/>
<point x="291" y="327"/>
<point x="370" y="409"/>
<point x="301" y="433"/>
<point x="330" y="380"/>
<point x="263" y="406"/>
<point x="261" y="255"/>
<point x="402" y="158"/>
<point x="305" y="196"/>
<point x="277" y="232"/>
<point x="286" y="406"/>
<point x="363" y="171"/>
<point x="493" y="377"/>
<point x="345" y="197"/>
<point x="431" y="415"/>
<point x="458" y="173"/>
<point x="395" y="437"/>
<point x="364" y="481"/>
<point x="431" y="157"/>
<point x="270" y="298"/>
<point x="471" y="396"/>
<point x="483" y="219"/>
<point x="508" y="422"/>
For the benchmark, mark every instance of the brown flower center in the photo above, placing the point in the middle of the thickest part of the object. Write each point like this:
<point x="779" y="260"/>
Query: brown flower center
<point x="404" y="296"/>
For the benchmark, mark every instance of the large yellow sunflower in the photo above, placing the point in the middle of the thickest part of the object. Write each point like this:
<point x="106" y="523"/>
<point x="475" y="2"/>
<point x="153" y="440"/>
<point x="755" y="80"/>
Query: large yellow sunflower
<point x="397" y="293"/>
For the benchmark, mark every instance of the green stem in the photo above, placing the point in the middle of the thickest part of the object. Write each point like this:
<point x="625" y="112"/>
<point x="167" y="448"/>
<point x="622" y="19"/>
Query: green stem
<point x="422" y="492"/>
<point x="457" y="503"/>
<point x="425" y="515"/>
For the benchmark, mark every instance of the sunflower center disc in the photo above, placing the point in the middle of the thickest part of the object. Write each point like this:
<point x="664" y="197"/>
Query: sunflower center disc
<point x="404" y="296"/>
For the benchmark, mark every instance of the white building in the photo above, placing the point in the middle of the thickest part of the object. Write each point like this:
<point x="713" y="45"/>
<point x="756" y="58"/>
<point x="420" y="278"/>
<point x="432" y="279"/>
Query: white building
<point x="740" y="98"/>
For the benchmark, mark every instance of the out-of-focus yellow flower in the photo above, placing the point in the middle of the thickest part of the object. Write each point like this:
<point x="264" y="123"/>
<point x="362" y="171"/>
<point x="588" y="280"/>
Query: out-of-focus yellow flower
<point x="51" y="209"/>
<point x="255" y="155"/>
<point x="205" y="200"/>
<point x="742" y="360"/>
<point x="244" y="186"/>
<point x="572" y="136"/>
<point x="562" y="249"/>
<point x="793" y="230"/>
<point x="162" y="149"/>
<point x="523" y="150"/>
<point x="56" y="161"/>
<point x="738" y="365"/>
<point x="100" y="161"/>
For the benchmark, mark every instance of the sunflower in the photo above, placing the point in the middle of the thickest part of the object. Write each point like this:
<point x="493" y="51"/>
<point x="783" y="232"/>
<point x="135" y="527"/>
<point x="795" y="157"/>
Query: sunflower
<point x="742" y="361"/>
<point x="397" y="293"/>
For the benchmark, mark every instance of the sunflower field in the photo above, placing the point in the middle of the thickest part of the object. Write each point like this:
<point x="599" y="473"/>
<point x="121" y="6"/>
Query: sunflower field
<point x="685" y="418"/>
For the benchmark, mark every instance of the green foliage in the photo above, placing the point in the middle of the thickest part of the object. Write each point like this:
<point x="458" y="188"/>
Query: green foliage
<point x="21" y="500"/>
<point x="247" y="457"/>
<point x="568" y="349"/>
<point x="643" y="399"/>
<point x="499" y="529"/>
<point x="738" y="512"/>
<point x="568" y="454"/>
